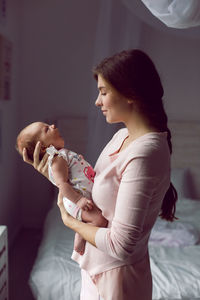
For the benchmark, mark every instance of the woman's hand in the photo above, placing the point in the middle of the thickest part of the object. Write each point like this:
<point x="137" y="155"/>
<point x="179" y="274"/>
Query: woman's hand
<point x="40" y="165"/>
<point x="66" y="218"/>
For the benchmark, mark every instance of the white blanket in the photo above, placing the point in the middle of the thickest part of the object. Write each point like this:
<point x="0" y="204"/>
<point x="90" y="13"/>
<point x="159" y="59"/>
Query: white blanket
<point x="174" y="234"/>
<point x="176" y="272"/>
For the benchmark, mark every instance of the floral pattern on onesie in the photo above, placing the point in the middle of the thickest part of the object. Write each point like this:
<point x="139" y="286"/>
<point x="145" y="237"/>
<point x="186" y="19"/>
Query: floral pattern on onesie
<point x="80" y="172"/>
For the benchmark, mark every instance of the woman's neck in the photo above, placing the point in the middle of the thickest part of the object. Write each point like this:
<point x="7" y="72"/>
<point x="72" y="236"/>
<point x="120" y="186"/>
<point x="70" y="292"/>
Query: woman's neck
<point x="138" y="127"/>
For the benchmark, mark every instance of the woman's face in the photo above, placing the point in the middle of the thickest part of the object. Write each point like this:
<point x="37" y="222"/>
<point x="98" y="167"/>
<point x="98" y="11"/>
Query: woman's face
<point x="115" y="107"/>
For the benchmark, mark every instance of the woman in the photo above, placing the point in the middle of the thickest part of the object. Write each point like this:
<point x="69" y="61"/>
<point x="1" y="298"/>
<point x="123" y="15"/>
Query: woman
<point x="132" y="182"/>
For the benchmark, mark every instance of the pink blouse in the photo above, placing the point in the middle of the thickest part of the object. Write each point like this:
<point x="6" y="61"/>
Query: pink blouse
<point x="129" y="187"/>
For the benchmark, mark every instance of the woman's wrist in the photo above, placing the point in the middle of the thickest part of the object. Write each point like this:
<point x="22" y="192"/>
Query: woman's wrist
<point x="87" y="231"/>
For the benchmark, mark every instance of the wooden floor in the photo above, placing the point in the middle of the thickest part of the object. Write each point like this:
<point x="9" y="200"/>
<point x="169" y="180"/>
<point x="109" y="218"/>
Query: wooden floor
<point x="21" y="259"/>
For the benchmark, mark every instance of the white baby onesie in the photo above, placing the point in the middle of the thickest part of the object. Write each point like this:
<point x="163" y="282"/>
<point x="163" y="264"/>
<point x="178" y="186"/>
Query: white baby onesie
<point x="80" y="173"/>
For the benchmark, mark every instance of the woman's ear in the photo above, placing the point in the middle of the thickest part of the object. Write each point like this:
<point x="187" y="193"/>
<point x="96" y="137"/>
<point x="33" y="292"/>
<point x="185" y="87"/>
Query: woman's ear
<point x="130" y="101"/>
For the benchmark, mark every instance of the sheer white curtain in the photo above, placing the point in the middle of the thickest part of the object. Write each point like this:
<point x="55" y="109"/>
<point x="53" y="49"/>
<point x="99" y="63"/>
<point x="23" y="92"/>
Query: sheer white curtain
<point x="174" y="13"/>
<point x="117" y="30"/>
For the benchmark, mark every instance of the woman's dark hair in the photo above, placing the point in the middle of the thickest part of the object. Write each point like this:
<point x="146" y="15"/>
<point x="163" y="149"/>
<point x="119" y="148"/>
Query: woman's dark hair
<point x="133" y="74"/>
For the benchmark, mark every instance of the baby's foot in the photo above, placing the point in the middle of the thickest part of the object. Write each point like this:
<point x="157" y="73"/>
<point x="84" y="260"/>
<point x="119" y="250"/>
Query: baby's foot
<point x="79" y="244"/>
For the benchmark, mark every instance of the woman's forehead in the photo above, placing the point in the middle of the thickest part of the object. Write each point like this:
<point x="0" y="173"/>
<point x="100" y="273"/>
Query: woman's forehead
<point x="103" y="83"/>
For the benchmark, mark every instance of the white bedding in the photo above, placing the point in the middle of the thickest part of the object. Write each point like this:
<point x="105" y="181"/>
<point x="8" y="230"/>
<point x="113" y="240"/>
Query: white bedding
<point x="175" y="234"/>
<point x="175" y="270"/>
<point x="54" y="275"/>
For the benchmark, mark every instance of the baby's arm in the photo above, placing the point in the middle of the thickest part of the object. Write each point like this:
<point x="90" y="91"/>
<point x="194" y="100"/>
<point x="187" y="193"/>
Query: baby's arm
<point x="60" y="174"/>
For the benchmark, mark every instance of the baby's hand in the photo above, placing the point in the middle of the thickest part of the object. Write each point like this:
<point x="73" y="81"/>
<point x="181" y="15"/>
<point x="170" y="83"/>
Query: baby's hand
<point x="85" y="204"/>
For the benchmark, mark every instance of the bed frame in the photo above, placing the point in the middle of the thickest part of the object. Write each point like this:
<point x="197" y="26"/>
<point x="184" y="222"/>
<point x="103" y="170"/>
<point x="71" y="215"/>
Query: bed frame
<point x="186" y="150"/>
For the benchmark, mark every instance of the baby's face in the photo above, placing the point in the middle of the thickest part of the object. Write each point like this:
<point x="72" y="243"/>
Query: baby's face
<point x="46" y="134"/>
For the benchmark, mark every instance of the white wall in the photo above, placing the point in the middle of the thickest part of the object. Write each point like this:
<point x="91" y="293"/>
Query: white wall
<point x="57" y="58"/>
<point x="9" y="167"/>
<point x="177" y="59"/>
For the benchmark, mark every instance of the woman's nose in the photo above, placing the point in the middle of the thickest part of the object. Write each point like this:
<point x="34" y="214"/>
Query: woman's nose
<point x="98" y="102"/>
<point x="53" y="126"/>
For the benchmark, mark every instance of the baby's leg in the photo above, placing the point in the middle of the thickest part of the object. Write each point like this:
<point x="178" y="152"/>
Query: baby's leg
<point x="72" y="208"/>
<point x="93" y="216"/>
<point x="75" y="211"/>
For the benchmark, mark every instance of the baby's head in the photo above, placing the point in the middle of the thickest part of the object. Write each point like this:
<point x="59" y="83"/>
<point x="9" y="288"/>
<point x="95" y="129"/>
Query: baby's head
<point x="38" y="131"/>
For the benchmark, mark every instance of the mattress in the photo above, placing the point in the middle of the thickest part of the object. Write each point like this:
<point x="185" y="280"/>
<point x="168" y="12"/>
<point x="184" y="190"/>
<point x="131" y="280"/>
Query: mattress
<point x="175" y="267"/>
<point x="54" y="275"/>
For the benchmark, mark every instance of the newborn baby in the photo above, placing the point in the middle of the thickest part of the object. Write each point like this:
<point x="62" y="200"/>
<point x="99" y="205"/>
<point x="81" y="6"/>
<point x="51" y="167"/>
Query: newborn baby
<point x="67" y="170"/>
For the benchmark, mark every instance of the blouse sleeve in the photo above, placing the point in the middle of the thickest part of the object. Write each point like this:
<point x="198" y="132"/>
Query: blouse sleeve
<point x="135" y="191"/>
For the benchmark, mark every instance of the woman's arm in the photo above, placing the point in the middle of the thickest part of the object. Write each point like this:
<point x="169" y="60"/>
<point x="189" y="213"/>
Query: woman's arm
<point x="132" y="205"/>
<point x="133" y="216"/>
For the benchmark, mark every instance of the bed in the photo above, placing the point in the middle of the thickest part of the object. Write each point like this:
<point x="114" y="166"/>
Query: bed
<point x="174" y="247"/>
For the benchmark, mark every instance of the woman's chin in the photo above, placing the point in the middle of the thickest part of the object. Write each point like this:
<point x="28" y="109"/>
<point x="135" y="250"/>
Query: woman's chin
<point x="111" y="121"/>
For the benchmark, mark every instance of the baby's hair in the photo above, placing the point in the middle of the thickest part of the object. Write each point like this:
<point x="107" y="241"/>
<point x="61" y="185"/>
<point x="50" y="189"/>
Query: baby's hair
<point x="29" y="142"/>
